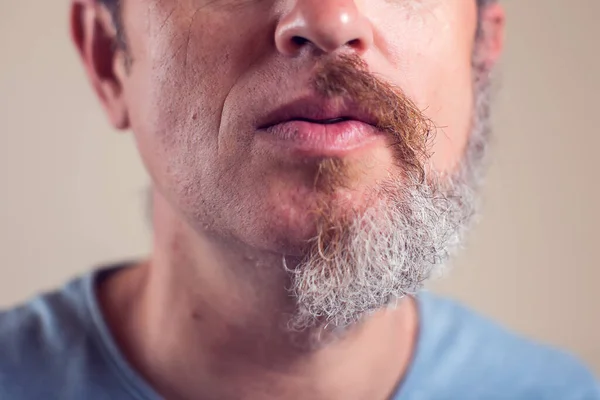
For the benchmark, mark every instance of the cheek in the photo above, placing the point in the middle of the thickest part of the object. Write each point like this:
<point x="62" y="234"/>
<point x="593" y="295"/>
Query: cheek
<point x="434" y="68"/>
<point x="451" y="91"/>
<point x="450" y="106"/>
<point x="185" y="66"/>
<point x="176" y="91"/>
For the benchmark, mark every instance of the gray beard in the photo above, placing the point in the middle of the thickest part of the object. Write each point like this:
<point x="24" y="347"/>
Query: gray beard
<point x="391" y="249"/>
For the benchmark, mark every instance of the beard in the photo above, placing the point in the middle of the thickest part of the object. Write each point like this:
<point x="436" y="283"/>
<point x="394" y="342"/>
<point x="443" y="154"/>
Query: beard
<point x="361" y="261"/>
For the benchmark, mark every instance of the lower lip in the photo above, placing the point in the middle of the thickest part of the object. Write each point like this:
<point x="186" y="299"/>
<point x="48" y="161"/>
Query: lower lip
<point x="309" y="138"/>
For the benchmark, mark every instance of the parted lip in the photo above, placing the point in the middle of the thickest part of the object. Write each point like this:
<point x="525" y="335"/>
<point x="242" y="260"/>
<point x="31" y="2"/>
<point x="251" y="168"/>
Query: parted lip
<point x="317" y="110"/>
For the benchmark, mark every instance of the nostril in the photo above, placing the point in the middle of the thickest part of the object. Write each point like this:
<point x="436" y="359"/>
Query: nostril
<point x="299" y="40"/>
<point x="354" y="43"/>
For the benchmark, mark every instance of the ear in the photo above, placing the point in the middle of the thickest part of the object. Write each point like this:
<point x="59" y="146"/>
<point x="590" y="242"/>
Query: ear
<point x="491" y="34"/>
<point x="95" y="37"/>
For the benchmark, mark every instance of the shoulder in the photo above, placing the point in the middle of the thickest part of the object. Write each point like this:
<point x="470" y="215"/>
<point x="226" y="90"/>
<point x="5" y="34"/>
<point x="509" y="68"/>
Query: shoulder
<point x="45" y="344"/>
<point x="466" y="351"/>
<point x="51" y="319"/>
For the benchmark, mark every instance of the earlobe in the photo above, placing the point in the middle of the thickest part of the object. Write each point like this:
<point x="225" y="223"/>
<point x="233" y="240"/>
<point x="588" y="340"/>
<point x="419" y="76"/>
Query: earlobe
<point x="95" y="38"/>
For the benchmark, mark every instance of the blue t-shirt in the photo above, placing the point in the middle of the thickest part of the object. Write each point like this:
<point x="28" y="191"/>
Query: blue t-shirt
<point x="58" y="347"/>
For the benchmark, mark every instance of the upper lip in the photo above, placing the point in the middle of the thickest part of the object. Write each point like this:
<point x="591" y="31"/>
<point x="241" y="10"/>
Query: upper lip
<point x="318" y="110"/>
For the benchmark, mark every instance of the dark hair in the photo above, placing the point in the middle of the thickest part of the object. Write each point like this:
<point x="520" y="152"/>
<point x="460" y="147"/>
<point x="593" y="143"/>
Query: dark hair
<point x="114" y="7"/>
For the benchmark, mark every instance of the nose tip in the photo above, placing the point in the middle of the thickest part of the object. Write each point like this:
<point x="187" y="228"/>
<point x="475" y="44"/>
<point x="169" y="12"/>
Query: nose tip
<point x="326" y="25"/>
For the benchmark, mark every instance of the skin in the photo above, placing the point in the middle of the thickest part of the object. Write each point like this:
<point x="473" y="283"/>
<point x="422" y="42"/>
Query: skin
<point x="201" y="317"/>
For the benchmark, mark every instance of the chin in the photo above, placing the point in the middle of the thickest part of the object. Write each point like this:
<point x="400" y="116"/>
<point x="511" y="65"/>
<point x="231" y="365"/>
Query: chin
<point x="277" y="206"/>
<point x="295" y="216"/>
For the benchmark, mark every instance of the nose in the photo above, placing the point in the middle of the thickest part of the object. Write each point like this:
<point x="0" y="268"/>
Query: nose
<point x="325" y="25"/>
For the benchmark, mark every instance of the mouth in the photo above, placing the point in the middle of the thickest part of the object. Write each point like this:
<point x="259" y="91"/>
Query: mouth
<point x="319" y="127"/>
<point x="328" y="121"/>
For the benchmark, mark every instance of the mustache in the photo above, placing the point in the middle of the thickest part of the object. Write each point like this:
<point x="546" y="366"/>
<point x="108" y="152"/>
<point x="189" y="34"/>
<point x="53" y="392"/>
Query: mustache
<point x="347" y="77"/>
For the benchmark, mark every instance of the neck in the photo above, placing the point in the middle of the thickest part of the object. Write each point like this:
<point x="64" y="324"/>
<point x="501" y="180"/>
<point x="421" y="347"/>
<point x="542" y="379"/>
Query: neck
<point x="207" y="319"/>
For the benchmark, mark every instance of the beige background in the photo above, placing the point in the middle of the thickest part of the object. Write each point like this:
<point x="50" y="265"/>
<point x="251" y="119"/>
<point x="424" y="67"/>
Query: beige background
<point x="72" y="189"/>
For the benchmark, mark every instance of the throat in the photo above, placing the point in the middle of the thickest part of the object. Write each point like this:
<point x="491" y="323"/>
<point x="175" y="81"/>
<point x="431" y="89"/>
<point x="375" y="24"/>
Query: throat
<point x="207" y="321"/>
<point x="253" y="356"/>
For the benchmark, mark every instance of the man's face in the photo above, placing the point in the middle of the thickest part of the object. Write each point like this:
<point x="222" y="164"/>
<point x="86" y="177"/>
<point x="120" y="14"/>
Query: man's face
<point x="340" y="135"/>
<point x="210" y="77"/>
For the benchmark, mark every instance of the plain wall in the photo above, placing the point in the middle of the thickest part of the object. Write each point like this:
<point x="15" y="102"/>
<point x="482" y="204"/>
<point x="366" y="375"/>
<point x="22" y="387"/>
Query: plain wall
<point x="72" y="189"/>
